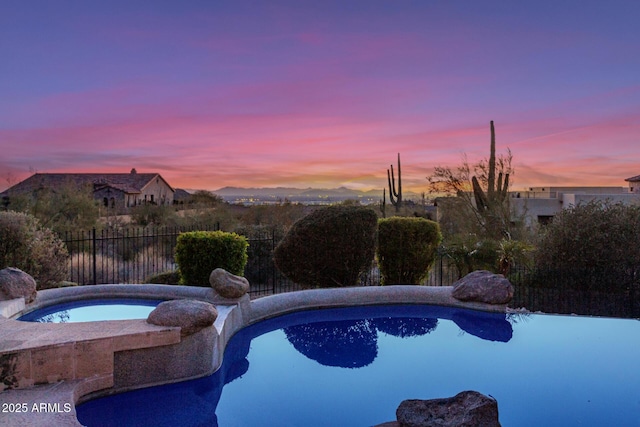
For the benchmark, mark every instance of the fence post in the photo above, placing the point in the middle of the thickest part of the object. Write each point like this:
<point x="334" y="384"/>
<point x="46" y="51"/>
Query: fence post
<point x="273" y="269"/>
<point x="93" y="243"/>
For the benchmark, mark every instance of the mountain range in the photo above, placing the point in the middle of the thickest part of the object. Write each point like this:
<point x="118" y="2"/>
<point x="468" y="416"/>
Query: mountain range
<point x="303" y="194"/>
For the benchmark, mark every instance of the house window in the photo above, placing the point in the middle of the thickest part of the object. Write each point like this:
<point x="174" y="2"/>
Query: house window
<point x="105" y="202"/>
<point x="152" y="199"/>
<point x="113" y="202"/>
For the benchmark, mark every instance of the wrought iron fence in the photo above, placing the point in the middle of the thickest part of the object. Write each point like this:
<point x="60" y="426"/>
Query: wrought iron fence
<point x="136" y="255"/>
<point x="121" y="255"/>
<point x="595" y="291"/>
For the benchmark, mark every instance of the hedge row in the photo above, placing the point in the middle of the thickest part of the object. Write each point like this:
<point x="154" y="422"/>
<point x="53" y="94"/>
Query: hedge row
<point x="331" y="247"/>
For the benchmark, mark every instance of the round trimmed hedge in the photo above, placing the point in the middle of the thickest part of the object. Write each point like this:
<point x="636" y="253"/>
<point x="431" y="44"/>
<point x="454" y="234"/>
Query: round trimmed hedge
<point x="330" y="247"/>
<point x="406" y="249"/>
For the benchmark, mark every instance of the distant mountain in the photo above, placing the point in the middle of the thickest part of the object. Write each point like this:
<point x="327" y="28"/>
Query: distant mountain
<point x="303" y="194"/>
<point x="252" y="191"/>
<point x="290" y="191"/>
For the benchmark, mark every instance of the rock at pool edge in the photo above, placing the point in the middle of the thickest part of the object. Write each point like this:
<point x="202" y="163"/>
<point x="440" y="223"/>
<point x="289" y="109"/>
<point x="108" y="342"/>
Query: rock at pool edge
<point x="228" y="285"/>
<point x="190" y="315"/>
<point x="15" y="283"/>
<point x="483" y="286"/>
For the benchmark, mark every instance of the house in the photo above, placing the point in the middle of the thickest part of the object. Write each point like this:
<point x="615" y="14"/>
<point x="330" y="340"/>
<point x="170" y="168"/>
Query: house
<point x="634" y="184"/>
<point x="113" y="190"/>
<point x="541" y="204"/>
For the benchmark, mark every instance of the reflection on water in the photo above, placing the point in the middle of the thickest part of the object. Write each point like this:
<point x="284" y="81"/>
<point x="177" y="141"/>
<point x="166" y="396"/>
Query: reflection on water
<point x="351" y="343"/>
<point x="59" y="317"/>
<point x="346" y="344"/>
<point x="488" y="326"/>
<point x="354" y="343"/>
<point x="405" y="327"/>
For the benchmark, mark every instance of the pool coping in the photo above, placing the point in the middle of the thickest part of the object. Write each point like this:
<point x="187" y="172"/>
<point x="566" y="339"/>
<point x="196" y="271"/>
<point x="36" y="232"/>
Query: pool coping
<point x="87" y="341"/>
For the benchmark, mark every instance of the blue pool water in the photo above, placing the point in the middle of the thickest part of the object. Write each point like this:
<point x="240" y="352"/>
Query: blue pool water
<point x="353" y="367"/>
<point x="93" y="310"/>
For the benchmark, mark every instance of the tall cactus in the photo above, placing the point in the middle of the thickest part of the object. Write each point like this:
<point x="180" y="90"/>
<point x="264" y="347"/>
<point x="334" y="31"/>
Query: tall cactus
<point x="395" y="196"/>
<point x="383" y="204"/>
<point x="491" y="205"/>
<point x="496" y="192"/>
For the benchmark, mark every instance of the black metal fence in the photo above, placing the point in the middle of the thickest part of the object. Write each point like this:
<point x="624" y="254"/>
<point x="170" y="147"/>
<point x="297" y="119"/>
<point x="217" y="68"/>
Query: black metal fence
<point x="137" y="255"/>
<point x="595" y="291"/>
<point x="120" y="256"/>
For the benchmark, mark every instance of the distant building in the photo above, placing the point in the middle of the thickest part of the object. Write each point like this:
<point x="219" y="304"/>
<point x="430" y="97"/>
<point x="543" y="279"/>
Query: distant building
<point x="541" y="204"/>
<point x="114" y="190"/>
<point x="634" y="184"/>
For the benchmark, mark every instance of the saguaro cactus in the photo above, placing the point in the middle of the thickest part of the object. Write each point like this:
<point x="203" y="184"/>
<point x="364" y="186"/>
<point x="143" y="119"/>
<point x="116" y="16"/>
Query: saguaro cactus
<point x="395" y="196"/>
<point x="496" y="191"/>
<point x="383" y="203"/>
<point x="490" y="202"/>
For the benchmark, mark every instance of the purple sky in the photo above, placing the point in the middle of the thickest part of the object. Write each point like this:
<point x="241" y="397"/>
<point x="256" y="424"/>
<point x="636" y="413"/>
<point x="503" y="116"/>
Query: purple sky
<point x="320" y="94"/>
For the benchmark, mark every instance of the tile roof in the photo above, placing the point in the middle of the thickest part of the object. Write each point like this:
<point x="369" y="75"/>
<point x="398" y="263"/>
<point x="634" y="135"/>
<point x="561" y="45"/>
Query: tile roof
<point x="633" y="179"/>
<point x="127" y="182"/>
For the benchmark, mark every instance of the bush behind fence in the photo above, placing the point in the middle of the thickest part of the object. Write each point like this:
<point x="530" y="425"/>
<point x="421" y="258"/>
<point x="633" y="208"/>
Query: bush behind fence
<point x="135" y="255"/>
<point x="132" y="255"/>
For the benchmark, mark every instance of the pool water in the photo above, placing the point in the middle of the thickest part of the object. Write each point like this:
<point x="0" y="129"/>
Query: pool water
<point x="353" y="367"/>
<point x="93" y="310"/>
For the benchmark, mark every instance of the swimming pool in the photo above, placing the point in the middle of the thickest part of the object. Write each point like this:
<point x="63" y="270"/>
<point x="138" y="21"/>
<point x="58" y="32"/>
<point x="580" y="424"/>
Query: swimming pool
<point x="354" y="366"/>
<point x="90" y="310"/>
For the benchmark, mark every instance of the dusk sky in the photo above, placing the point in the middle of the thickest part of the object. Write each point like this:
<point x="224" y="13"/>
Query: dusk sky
<point x="319" y="93"/>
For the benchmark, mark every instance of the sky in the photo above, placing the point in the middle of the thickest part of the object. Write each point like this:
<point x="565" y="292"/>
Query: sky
<point x="319" y="93"/>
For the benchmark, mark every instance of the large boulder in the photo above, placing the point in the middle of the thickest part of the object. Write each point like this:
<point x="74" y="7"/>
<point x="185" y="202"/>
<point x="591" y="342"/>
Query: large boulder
<point x="15" y="283"/>
<point x="190" y="315"/>
<point x="228" y="285"/>
<point x="483" y="286"/>
<point x="465" y="409"/>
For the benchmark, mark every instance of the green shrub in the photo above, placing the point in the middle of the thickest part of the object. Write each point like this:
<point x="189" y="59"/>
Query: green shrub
<point x="513" y="252"/>
<point x="330" y="247"/>
<point x="69" y="208"/>
<point x="198" y="253"/>
<point x="34" y="249"/>
<point x="594" y="245"/>
<point x="151" y="214"/>
<point x="406" y="249"/>
<point x="467" y="253"/>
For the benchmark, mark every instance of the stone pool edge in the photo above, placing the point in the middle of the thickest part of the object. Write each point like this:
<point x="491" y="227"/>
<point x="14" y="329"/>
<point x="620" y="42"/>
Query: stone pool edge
<point x="242" y="313"/>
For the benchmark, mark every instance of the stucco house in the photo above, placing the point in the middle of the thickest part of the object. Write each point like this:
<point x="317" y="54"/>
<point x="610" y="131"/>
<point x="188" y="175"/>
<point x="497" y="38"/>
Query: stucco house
<point x="538" y="205"/>
<point x="541" y="204"/>
<point x="114" y="190"/>
<point x="634" y="184"/>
